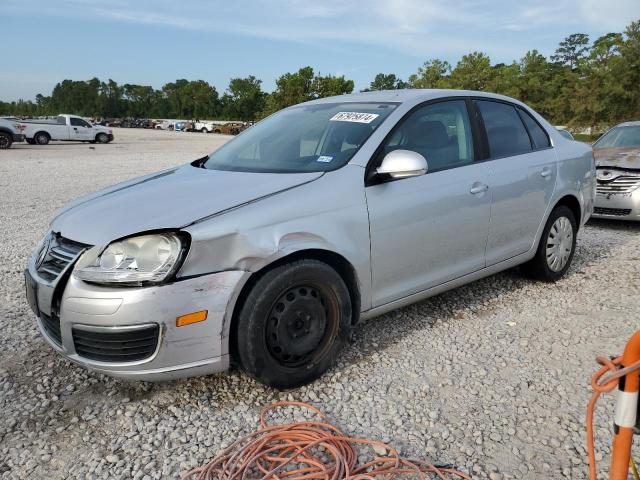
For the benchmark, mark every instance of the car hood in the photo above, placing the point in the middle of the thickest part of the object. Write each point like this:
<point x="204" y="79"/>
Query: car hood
<point x="170" y="199"/>
<point x="613" y="157"/>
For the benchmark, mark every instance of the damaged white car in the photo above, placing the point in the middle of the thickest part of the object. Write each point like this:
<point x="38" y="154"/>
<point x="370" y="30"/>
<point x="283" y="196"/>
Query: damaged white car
<point x="617" y="155"/>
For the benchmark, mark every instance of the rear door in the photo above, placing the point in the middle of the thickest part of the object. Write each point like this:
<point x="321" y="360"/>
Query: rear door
<point x="80" y="130"/>
<point x="429" y="229"/>
<point x="523" y="175"/>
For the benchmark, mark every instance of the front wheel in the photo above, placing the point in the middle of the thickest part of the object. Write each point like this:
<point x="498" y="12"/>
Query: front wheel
<point x="293" y="324"/>
<point x="556" y="248"/>
<point x="102" y="138"/>
<point x="203" y="130"/>
<point x="5" y="140"/>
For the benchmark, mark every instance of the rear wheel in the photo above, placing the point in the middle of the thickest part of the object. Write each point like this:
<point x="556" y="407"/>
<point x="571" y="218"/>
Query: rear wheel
<point x="42" y="138"/>
<point x="5" y="140"/>
<point x="293" y="324"/>
<point x="556" y="248"/>
<point x="30" y="141"/>
<point x="203" y="130"/>
<point x="102" y="138"/>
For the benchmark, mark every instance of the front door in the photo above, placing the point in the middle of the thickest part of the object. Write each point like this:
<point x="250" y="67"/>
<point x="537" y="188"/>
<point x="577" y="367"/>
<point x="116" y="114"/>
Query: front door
<point x="429" y="229"/>
<point x="80" y="130"/>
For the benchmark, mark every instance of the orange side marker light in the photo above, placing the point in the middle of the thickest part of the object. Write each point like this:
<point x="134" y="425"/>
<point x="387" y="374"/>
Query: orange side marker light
<point x="190" y="318"/>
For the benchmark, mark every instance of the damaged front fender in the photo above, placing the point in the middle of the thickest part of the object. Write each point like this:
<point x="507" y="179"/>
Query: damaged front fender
<point x="252" y="237"/>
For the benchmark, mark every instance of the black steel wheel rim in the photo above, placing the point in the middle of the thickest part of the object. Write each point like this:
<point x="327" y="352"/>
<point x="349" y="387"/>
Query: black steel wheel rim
<point x="302" y="324"/>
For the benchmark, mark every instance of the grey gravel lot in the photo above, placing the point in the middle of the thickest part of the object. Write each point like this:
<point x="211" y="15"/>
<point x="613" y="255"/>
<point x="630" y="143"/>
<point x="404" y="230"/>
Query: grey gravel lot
<point x="492" y="377"/>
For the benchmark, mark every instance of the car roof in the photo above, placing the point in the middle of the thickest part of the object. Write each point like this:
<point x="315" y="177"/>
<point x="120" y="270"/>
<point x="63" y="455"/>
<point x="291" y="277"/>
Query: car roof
<point x="413" y="95"/>
<point x="634" y="123"/>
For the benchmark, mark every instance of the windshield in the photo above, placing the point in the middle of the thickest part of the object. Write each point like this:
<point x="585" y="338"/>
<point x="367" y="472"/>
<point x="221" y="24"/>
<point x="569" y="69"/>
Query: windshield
<point x="307" y="138"/>
<point x="620" y="137"/>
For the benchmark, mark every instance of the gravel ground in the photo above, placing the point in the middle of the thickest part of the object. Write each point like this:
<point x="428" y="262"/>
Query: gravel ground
<point x="492" y="377"/>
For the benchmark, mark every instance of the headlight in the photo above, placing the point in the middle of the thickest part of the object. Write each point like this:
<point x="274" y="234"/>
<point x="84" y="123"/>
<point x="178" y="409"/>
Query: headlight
<point x="135" y="260"/>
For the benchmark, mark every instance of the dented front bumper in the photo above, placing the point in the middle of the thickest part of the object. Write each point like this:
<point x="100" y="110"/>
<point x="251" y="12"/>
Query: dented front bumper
<point x="619" y="206"/>
<point x="108" y="329"/>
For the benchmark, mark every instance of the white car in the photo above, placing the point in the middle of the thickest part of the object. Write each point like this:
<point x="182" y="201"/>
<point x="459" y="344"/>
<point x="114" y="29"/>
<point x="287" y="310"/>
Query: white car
<point x="204" y="127"/>
<point x="65" y="127"/>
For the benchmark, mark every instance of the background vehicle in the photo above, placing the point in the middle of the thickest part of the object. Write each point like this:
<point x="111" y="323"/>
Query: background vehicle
<point x="179" y="126"/>
<point x="65" y="127"/>
<point x="566" y="133"/>
<point x="10" y="131"/>
<point x="204" y="127"/>
<point x="398" y="196"/>
<point x="230" y="128"/>
<point x="617" y="155"/>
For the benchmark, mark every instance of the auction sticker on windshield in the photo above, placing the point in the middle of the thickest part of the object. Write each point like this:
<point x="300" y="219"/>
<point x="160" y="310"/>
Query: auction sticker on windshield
<point x="357" y="117"/>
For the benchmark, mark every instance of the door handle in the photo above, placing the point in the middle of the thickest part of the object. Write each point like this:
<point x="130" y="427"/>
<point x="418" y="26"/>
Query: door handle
<point x="478" y="188"/>
<point x="546" y="172"/>
<point x="75" y="129"/>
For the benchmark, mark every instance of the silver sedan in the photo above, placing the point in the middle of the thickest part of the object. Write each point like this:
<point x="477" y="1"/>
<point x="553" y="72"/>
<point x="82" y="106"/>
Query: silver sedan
<point x="617" y="155"/>
<point x="268" y="251"/>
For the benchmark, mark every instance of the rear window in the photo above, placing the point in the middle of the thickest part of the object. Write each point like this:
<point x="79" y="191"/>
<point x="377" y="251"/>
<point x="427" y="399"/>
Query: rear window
<point x="538" y="135"/>
<point x="505" y="130"/>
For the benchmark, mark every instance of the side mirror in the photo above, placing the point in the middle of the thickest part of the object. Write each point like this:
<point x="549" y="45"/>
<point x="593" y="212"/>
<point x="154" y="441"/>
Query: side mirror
<point x="403" y="164"/>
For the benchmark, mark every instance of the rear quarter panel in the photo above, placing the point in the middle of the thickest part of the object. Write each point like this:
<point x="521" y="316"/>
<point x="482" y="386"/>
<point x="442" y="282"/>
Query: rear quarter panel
<point x="576" y="173"/>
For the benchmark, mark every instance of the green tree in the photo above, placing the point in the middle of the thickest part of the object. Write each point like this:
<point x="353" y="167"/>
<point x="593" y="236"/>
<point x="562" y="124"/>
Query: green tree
<point x="572" y="50"/>
<point x="473" y="72"/>
<point x="329" y="86"/>
<point x="302" y="86"/>
<point x="386" y="81"/>
<point x="244" y="99"/>
<point x="433" y="73"/>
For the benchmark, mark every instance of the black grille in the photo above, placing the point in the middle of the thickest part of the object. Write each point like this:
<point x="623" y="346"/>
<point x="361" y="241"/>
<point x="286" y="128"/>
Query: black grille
<point x="61" y="252"/>
<point x="618" y="212"/>
<point x="51" y="325"/>
<point x="117" y="345"/>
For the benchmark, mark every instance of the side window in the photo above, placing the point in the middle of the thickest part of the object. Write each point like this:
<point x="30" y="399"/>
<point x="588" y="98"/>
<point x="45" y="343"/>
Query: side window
<point x="76" y="122"/>
<point x="440" y="132"/>
<point x="505" y="130"/>
<point x="538" y="135"/>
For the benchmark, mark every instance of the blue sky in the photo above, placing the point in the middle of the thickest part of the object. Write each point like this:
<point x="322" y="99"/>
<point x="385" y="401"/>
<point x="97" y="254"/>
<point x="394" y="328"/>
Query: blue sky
<point x="154" y="42"/>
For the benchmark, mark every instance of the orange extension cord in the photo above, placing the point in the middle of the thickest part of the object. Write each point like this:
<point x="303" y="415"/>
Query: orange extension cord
<point x="601" y="386"/>
<point x="295" y="451"/>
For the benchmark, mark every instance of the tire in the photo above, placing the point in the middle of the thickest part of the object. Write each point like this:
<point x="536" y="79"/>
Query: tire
<point x="203" y="130"/>
<point x="30" y="141"/>
<point x="5" y="140"/>
<point x="102" y="138"/>
<point x="556" y="247"/>
<point x="42" y="138"/>
<point x="293" y="324"/>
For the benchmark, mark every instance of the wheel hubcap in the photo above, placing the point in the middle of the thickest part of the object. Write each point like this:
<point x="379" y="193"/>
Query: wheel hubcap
<point x="559" y="244"/>
<point x="297" y="325"/>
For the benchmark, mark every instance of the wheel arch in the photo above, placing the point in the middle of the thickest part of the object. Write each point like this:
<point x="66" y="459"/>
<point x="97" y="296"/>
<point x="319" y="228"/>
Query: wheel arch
<point x="340" y="264"/>
<point x="42" y="131"/>
<point x="573" y="204"/>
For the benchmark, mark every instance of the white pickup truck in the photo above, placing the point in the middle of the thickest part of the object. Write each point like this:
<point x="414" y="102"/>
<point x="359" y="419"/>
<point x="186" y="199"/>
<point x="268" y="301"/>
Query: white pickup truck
<point x="65" y="127"/>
